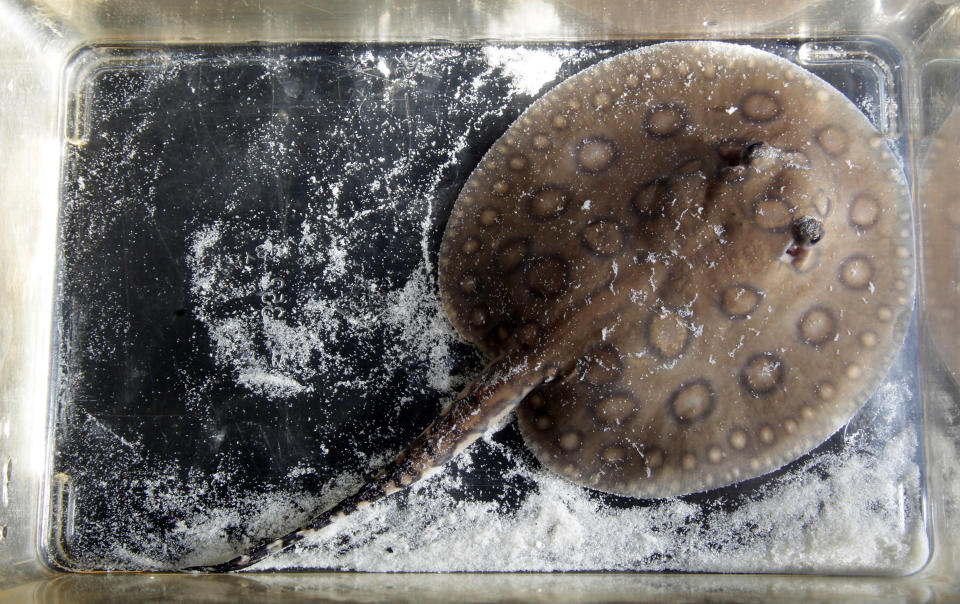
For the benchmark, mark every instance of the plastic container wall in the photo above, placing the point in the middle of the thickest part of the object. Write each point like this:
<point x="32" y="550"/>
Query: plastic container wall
<point x="39" y="39"/>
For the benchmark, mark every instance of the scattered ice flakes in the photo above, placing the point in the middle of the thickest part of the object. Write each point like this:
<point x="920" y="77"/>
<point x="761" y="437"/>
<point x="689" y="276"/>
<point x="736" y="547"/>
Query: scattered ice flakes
<point x="383" y="68"/>
<point x="530" y="69"/>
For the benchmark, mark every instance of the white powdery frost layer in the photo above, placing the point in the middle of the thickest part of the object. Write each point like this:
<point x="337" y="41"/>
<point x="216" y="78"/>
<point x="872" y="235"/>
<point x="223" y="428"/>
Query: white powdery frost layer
<point x="851" y="511"/>
<point x="529" y="69"/>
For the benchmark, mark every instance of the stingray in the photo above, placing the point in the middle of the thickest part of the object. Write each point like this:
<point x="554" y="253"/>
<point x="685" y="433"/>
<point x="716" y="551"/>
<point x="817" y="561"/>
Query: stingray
<point x="690" y="264"/>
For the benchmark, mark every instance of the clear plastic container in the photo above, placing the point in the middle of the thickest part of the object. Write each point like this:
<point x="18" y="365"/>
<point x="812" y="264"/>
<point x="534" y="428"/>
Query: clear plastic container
<point x="220" y="236"/>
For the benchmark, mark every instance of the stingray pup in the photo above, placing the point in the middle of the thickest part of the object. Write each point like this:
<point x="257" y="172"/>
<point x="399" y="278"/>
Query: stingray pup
<point x="690" y="264"/>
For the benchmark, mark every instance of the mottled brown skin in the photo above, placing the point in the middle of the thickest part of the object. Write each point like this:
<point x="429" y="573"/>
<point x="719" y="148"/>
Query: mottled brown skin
<point x="690" y="263"/>
<point x="737" y="343"/>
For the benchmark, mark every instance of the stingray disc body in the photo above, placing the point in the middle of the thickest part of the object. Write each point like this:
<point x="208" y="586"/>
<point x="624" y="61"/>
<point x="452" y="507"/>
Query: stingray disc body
<point x="652" y="198"/>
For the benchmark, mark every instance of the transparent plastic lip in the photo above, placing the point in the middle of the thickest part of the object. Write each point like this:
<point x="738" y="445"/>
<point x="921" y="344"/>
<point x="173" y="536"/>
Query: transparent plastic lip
<point x="209" y="392"/>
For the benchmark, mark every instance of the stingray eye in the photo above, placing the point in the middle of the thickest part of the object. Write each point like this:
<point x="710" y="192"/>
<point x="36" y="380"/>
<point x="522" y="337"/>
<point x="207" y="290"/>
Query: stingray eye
<point x="762" y="158"/>
<point x="807" y="230"/>
<point x="751" y="152"/>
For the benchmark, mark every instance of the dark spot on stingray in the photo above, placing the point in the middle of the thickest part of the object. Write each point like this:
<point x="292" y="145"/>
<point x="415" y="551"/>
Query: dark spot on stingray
<point x="856" y="272"/>
<point x="549" y="202"/>
<point x="547" y="276"/>
<point x="759" y="107"/>
<point x="665" y="120"/>
<point x="762" y="374"/>
<point x="651" y="199"/>
<point x="817" y="326"/>
<point x="602" y="366"/>
<point x="692" y="401"/>
<point x="603" y="237"/>
<point x="597" y="154"/>
<point x="668" y="334"/>
<point x="739" y="300"/>
<point x="512" y="253"/>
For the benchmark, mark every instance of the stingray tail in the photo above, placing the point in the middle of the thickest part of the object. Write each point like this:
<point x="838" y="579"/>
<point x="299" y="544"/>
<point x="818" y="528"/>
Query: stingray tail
<point x="479" y="407"/>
